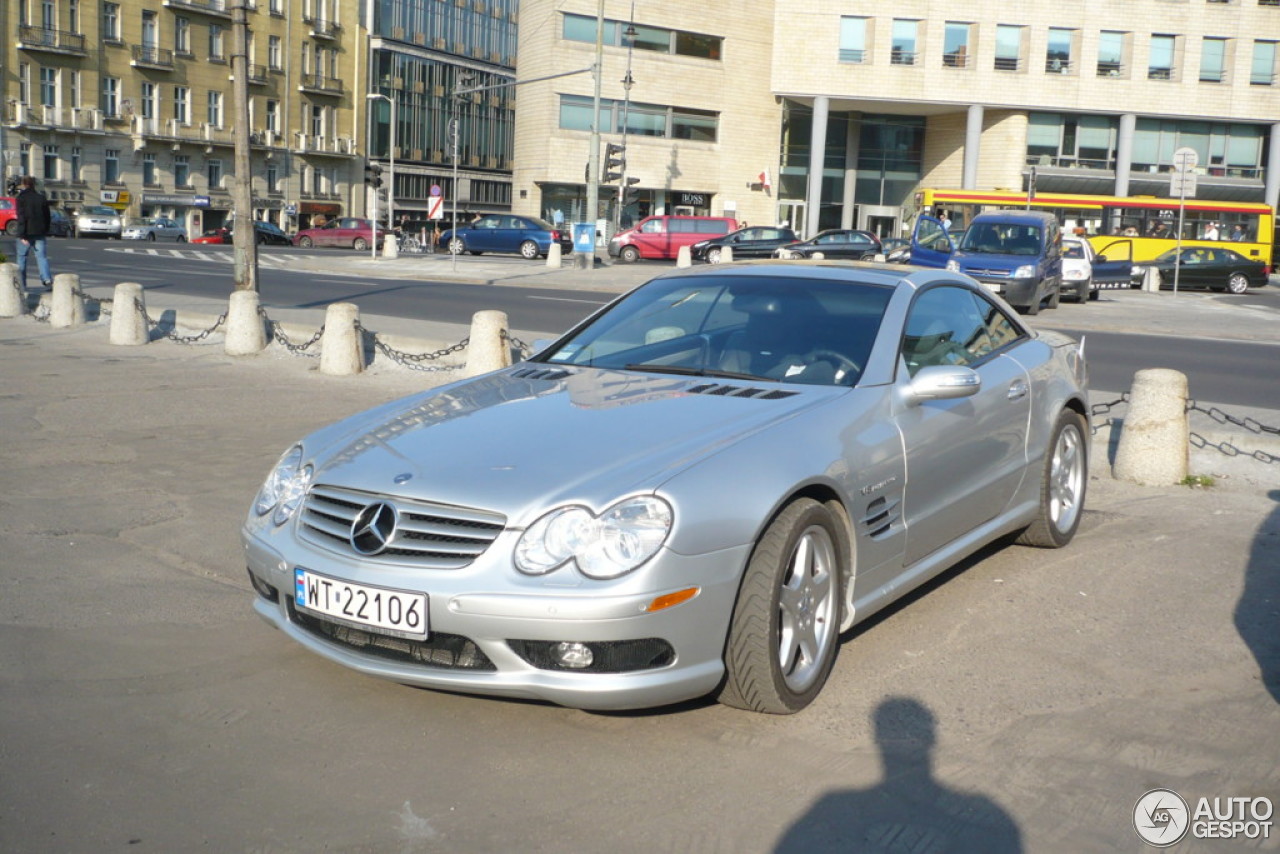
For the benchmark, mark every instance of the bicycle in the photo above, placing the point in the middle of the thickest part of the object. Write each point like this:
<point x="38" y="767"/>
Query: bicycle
<point x="408" y="243"/>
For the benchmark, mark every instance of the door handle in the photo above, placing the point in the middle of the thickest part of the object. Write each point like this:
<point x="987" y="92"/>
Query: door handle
<point x="1017" y="389"/>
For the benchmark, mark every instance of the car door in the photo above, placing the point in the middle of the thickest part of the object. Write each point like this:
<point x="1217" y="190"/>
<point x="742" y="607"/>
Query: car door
<point x="931" y="244"/>
<point x="1113" y="264"/>
<point x="483" y="234"/>
<point x="966" y="456"/>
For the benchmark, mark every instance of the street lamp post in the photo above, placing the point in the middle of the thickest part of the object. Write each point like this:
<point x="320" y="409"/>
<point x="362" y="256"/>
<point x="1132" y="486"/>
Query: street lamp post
<point x="391" y="166"/>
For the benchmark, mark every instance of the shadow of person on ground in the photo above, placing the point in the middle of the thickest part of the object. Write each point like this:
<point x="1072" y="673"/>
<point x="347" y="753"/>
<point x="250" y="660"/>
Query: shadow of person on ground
<point x="908" y="810"/>
<point x="1258" y="612"/>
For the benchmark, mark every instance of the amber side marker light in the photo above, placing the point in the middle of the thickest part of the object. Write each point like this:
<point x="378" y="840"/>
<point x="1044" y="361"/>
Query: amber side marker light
<point x="670" y="600"/>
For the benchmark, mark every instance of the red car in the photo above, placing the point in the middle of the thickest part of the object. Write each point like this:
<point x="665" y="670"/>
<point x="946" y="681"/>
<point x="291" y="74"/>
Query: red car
<point x="214" y="235"/>
<point x="343" y="231"/>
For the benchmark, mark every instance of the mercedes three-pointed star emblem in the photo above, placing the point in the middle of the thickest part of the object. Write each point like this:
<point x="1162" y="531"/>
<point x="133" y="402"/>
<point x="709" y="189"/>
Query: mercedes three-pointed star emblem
<point x="373" y="528"/>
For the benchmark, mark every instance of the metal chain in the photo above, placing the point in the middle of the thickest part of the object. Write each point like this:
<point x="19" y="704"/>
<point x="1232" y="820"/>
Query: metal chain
<point x="278" y="334"/>
<point x="521" y="347"/>
<point x="1231" y="450"/>
<point x="1250" y="424"/>
<point x="415" y="360"/>
<point x="1103" y="408"/>
<point x="173" y="336"/>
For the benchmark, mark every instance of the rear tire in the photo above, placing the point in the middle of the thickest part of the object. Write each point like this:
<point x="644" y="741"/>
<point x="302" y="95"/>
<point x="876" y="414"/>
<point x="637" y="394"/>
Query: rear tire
<point x="785" y="631"/>
<point x="1062" y="485"/>
<point x="359" y="244"/>
<point x="529" y="250"/>
<point x="1237" y="283"/>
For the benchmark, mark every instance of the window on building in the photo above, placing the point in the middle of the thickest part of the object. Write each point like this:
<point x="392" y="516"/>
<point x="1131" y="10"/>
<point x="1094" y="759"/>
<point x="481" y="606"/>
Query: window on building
<point x="150" y="33"/>
<point x="49" y="87"/>
<point x="655" y="120"/>
<point x="1110" y="53"/>
<point x="1262" y="71"/>
<point x="1059" y="50"/>
<point x="24" y="82"/>
<point x="273" y="116"/>
<point x="111" y="166"/>
<point x="73" y="16"/>
<point x="150" y="100"/>
<point x="277" y="7"/>
<point x="955" y="44"/>
<point x="111" y="97"/>
<point x="853" y="39"/>
<point x="582" y="28"/>
<point x="73" y="86"/>
<point x="1008" y="47"/>
<point x="273" y="177"/>
<point x="1213" y="60"/>
<point x="1160" y="59"/>
<point x="214" y="116"/>
<point x="111" y="22"/>
<point x="50" y="163"/>
<point x="181" y="170"/>
<point x="274" y="53"/>
<point x="182" y="104"/>
<point x="213" y="171"/>
<point x="149" y="178"/>
<point x="699" y="125"/>
<point x="77" y="165"/>
<point x="902" y="48"/>
<point x="182" y="35"/>
<point x="215" y="44"/>
<point x="317" y="120"/>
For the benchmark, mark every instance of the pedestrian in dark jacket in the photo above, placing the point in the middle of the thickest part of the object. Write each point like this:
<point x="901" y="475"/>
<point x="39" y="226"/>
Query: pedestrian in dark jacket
<point x="33" y="229"/>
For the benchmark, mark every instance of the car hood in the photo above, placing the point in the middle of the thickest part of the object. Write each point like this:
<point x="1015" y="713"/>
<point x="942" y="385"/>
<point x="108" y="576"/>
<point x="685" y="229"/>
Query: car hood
<point x="528" y="437"/>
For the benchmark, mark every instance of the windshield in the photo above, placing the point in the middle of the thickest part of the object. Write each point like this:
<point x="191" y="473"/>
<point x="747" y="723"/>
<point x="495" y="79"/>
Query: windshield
<point x="785" y="329"/>
<point x="1072" y="250"/>
<point x="1002" y="238"/>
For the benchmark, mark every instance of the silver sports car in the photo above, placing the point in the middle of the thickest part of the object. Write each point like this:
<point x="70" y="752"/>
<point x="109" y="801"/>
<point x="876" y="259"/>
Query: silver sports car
<point x="693" y="492"/>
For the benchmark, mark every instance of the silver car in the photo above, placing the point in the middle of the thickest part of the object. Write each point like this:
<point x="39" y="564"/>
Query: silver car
<point x="693" y="492"/>
<point x="98" y="221"/>
<point x="158" y="228"/>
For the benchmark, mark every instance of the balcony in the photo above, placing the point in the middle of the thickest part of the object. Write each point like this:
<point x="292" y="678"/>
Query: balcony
<point x="1110" y="68"/>
<point x="51" y="41"/>
<point x="150" y="56"/>
<point x="323" y="29"/>
<point x="213" y="8"/>
<point x="341" y="146"/>
<point x="257" y="75"/>
<point x="1058" y="65"/>
<point x="319" y="84"/>
<point x="54" y="118"/>
<point x="1007" y="63"/>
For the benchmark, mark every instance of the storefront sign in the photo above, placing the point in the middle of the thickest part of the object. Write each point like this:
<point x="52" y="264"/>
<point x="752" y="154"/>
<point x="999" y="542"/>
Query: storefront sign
<point x="182" y="201"/>
<point x="693" y="200"/>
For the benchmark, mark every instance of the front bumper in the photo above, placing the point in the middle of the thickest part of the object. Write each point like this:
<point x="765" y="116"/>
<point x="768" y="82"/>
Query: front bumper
<point x="481" y="628"/>
<point x="1014" y="291"/>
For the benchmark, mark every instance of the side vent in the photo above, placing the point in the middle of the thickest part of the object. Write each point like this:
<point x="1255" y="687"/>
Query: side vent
<point x="549" y="374"/>
<point x="881" y="517"/>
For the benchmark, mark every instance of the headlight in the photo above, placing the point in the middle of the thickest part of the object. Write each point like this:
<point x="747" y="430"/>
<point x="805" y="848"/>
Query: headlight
<point x="606" y="546"/>
<point x="284" y="488"/>
<point x="1026" y="271"/>
<point x="953" y="266"/>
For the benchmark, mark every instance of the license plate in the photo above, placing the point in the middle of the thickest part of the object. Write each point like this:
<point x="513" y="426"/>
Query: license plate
<point x="395" y="612"/>
<point x="993" y="287"/>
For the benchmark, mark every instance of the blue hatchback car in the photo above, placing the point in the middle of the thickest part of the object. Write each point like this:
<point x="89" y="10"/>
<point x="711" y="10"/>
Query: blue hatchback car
<point x="527" y="236"/>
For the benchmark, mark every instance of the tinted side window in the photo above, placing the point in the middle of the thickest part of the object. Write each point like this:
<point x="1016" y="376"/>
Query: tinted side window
<point x="711" y="226"/>
<point x="681" y="225"/>
<point x="949" y="326"/>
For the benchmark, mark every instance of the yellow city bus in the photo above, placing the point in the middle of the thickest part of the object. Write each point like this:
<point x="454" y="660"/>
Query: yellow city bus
<point x="1137" y="227"/>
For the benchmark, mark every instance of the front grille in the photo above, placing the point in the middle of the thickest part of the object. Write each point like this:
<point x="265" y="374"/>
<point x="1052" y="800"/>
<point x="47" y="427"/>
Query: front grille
<point x="452" y="652"/>
<point x="985" y="272"/>
<point x="427" y="535"/>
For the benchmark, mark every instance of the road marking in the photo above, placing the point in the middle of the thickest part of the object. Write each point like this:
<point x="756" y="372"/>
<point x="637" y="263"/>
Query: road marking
<point x="216" y="257"/>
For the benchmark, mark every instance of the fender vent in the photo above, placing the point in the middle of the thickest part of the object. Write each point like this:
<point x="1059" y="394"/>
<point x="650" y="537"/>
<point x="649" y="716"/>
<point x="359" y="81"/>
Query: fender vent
<point x="881" y="516"/>
<point x="551" y="374"/>
<point x="721" y="390"/>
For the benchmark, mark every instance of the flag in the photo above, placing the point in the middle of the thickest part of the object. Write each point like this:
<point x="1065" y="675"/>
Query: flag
<point x="764" y="179"/>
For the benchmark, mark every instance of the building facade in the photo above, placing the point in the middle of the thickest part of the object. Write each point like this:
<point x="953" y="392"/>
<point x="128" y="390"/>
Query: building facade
<point x="129" y="105"/>
<point x="1095" y="96"/>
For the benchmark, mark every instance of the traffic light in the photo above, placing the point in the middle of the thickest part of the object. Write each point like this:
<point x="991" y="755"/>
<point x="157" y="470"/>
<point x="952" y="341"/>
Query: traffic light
<point x="615" y="157"/>
<point x="373" y="175"/>
<point x="629" y="194"/>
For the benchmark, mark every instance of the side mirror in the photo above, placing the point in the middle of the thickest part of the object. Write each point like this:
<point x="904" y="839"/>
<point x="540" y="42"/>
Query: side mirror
<point x="943" y="382"/>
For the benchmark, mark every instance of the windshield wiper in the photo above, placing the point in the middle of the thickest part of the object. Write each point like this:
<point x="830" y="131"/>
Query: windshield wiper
<point x="695" y="372"/>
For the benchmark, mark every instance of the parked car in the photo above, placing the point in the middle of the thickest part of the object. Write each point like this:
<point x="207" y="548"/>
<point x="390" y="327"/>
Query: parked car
<point x="897" y="250"/>
<point x="695" y="491"/>
<point x="1084" y="271"/>
<point x="1206" y="267"/>
<point x="848" y="243"/>
<point x="59" y="224"/>
<point x="214" y="236"/>
<point x="9" y="215"/>
<point x="1014" y="253"/>
<point x="341" y="231"/>
<point x="757" y="241"/>
<point x="158" y="228"/>
<point x="99" y="221"/>
<point x="662" y="236"/>
<point x="527" y="236"/>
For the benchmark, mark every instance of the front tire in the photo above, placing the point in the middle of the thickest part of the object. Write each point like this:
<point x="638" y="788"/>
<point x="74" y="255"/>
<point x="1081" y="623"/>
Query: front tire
<point x="457" y="246"/>
<point x="1062" y="485"/>
<point x="1084" y="292"/>
<point x="713" y="256"/>
<point x="785" y="631"/>
<point x="528" y="250"/>
<point x="359" y="244"/>
<point x="1237" y="283"/>
<point x="629" y="254"/>
<point x="151" y="236"/>
<point x="304" y="242"/>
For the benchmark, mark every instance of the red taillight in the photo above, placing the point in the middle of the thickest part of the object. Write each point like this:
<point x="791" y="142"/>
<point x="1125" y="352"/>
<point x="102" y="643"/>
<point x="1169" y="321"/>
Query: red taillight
<point x="555" y="237"/>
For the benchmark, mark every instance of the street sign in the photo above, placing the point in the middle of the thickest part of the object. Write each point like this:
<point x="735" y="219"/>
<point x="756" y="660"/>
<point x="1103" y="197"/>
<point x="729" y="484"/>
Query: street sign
<point x="1185" y="159"/>
<point x="1182" y="184"/>
<point x="435" y="207"/>
<point x="435" y="190"/>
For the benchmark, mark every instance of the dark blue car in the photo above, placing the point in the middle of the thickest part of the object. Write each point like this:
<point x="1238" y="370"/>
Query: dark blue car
<point x="527" y="236"/>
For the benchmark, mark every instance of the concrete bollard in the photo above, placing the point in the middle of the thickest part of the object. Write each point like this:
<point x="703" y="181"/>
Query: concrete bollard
<point x="818" y="256"/>
<point x="246" y="331"/>
<point x="489" y="347"/>
<point x="129" y="315"/>
<point x="684" y="258"/>
<point x="726" y="255"/>
<point x="1153" y="447"/>
<point x="1151" y="280"/>
<point x="390" y="249"/>
<point x="13" y="302"/>
<point x="554" y="259"/>
<point x="67" y="307"/>
<point x="341" y="346"/>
